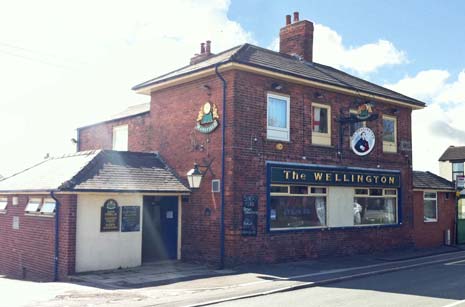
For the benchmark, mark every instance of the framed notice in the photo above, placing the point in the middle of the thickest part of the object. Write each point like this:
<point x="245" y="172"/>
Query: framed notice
<point x="130" y="218"/>
<point x="249" y="215"/>
<point x="109" y="216"/>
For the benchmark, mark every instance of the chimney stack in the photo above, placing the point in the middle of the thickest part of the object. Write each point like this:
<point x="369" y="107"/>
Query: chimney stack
<point x="296" y="38"/>
<point x="205" y="53"/>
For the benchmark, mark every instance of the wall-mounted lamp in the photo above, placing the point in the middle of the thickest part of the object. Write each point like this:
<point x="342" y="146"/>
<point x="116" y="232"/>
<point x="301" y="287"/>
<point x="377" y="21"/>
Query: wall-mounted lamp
<point x="276" y="86"/>
<point x="194" y="177"/>
<point x="318" y="95"/>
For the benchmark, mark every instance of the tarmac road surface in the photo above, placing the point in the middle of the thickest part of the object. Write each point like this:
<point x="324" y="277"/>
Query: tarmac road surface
<point x="434" y="285"/>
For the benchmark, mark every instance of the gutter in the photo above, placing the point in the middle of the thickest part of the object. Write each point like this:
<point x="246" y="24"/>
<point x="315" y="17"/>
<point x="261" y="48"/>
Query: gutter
<point x="57" y="232"/>
<point x="223" y="130"/>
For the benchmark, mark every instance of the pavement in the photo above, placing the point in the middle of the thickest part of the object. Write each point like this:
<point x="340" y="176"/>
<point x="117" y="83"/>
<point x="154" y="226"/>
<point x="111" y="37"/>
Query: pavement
<point x="182" y="284"/>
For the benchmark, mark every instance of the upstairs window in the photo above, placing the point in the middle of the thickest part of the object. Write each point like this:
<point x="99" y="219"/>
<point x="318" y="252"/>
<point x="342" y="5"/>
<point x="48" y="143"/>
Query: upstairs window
<point x="33" y="205"/>
<point x="277" y="118"/>
<point x="457" y="170"/>
<point x="3" y="204"/>
<point x="48" y="208"/>
<point x="321" y="124"/>
<point x="430" y="207"/>
<point x="389" y="134"/>
<point x="120" y="138"/>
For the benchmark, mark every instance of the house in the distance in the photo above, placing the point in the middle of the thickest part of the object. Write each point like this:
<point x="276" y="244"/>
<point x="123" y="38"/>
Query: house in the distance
<point x="451" y="162"/>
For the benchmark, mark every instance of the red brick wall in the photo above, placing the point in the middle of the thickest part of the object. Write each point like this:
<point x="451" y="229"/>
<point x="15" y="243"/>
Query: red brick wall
<point x="100" y="136"/>
<point x="171" y="132"/>
<point x="28" y="252"/>
<point x="249" y="158"/>
<point x="431" y="234"/>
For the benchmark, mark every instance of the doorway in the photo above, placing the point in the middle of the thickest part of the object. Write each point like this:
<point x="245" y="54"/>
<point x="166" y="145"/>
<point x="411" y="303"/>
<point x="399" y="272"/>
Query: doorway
<point x="160" y="228"/>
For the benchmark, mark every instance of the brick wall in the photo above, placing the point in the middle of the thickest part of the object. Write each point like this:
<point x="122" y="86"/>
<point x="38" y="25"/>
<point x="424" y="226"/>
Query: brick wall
<point x="171" y="132"/>
<point x="28" y="252"/>
<point x="431" y="234"/>
<point x="100" y="136"/>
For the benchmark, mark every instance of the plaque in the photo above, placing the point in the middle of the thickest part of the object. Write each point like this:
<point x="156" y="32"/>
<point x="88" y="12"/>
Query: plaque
<point x="130" y="218"/>
<point x="249" y="215"/>
<point x="109" y="216"/>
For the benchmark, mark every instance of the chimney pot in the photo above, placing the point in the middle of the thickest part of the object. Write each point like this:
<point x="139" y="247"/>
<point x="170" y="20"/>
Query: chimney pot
<point x="208" y="48"/>
<point x="296" y="16"/>
<point x="202" y="48"/>
<point x="288" y="20"/>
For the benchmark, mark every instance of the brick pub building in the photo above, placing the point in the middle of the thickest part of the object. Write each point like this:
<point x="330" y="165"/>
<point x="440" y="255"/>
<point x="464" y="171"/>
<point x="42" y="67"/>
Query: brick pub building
<point x="298" y="160"/>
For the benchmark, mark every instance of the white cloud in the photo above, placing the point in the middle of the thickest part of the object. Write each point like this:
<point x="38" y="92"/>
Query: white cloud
<point x="65" y="64"/>
<point x="329" y="49"/>
<point x="439" y="125"/>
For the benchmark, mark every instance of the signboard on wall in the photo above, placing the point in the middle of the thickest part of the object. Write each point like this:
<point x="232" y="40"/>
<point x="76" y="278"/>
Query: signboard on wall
<point x="109" y="216"/>
<point x="314" y="175"/>
<point x="460" y="182"/>
<point x="130" y="218"/>
<point x="249" y="215"/>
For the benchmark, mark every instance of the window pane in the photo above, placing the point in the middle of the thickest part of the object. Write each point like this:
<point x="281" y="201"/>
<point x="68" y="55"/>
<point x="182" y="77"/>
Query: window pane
<point x="374" y="210"/>
<point x="120" y="138"/>
<point x="388" y="130"/>
<point x="320" y="120"/>
<point x="430" y="210"/>
<point x="457" y="167"/>
<point x="3" y="204"/>
<point x="390" y="192"/>
<point x="279" y="189"/>
<point x="297" y="212"/>
<point x="361" y="191"/>
<point x="318" y="190"/>
<point x="376" y="192"/>
<point x="32" y="206"/>
<point x="299" y="189"/>
<point x="48" y="207"/>
<point x="277" y="113"/>
<point x="430" y="195"/>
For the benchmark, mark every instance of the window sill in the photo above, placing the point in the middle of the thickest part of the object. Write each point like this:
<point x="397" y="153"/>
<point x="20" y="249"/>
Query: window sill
<point x="323" y="145"/>
<point x="39" y="215"/>
<point x="3" y="212"/>
<point x="430" y="221"/>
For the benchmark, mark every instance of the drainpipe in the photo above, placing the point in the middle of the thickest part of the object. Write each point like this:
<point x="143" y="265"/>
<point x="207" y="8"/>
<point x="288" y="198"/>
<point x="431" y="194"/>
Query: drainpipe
<point x="57" y="232"/>
<point x="223" y="126"/>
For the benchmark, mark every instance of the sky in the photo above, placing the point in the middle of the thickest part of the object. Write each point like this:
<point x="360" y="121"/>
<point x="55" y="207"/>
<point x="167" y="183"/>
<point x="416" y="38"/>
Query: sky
<point x="66" y="64"/>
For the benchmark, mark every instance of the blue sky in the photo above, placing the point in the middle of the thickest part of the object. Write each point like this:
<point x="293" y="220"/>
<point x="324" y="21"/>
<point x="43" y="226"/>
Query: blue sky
<point x="431" y="32"/>
<point x="65" y="64"/>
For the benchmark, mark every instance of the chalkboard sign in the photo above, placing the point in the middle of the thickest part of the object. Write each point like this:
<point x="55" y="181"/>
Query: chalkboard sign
<point x="249" y="215"/>
<point x="109" y="216"/>
<point x="130" y="218"/>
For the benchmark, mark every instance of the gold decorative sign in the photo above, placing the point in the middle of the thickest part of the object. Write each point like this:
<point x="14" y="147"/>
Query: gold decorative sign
<point x="207" y="120"/>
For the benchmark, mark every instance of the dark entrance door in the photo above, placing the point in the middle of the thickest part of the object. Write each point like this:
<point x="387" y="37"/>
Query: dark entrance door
<point x="160" y="228"/>
<point x="461" y="221"/>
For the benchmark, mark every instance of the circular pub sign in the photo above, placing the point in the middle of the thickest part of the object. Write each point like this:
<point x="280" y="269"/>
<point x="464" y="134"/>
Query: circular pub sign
<point x="362" y="141"/>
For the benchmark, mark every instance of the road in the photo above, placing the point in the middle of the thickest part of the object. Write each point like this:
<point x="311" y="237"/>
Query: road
<point x="434" y="285"/>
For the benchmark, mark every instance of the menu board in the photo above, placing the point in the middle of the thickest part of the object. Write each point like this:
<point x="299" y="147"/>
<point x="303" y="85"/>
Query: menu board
<point x="249" y="215"/>
<point x="109" y="216"/>
<point x="130" y="218"/>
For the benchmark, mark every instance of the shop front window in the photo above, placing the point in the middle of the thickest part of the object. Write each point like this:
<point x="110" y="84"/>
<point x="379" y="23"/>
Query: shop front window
<point x="375" y="206"/>
<point x="297" y="207"/>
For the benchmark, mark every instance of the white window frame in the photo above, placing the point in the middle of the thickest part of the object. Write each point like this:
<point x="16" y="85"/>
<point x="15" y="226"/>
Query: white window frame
<point x="48" y="201"/>
<point x="309" y="193"/>
<point x="3" y="205"/>
<point x="31" y="201"/>
<point x="276" y="133"/>
<point x="117" y="130"/>
<point x="319" y="138"/>
<point x="436" y="202"/>
<point x="390" y="146"/>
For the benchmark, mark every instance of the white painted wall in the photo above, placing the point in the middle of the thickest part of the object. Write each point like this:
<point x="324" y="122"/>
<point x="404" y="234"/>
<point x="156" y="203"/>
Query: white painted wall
<point x="97" y="250"/>
<point x="340" y="206"/>
<point x="445" y="170"/>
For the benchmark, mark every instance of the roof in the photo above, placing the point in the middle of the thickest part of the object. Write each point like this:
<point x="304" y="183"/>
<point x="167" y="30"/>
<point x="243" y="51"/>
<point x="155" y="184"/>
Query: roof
<point x="430" y="181"/>
<point x="251" y="55"/>
<point x="97" y="171"/>
<point x="135" y="110"/>
<point x="453" y="153"/>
